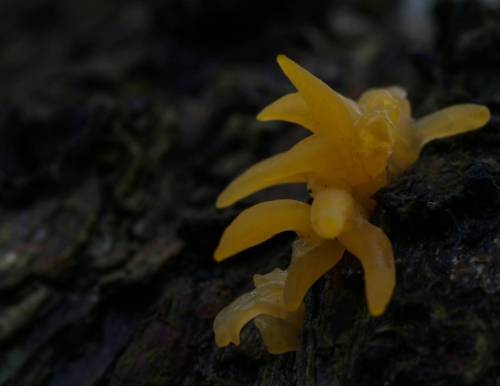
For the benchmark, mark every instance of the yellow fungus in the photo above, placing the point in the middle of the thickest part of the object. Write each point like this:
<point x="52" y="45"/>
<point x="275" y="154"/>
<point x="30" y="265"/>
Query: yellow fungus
<point x="451" y="121"/>
<point x="322" y="101"/>
<point x="290" y="108"/>
<point x="307" y="267"/>
<point x="261" y="222"/>
<point x="279" y="335"/>
<point x="372" y="247"/>
<point x="355" y="149"/>
<point x="330" y="211"/>
<point x="265" y="299"/>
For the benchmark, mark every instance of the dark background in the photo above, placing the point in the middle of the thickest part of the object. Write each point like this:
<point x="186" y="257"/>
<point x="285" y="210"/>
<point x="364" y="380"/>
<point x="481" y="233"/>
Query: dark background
<point x="121" y="121"/>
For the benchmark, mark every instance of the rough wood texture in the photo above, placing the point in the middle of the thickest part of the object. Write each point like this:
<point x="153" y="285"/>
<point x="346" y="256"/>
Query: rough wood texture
<point x="121" y="121"/>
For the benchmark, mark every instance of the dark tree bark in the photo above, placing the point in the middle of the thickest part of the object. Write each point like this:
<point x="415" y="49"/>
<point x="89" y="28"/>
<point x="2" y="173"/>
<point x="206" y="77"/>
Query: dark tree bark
<point x="121" y="122"/>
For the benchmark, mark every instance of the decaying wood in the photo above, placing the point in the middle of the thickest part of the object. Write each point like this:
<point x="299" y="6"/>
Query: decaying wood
<point x="118" y="129"/>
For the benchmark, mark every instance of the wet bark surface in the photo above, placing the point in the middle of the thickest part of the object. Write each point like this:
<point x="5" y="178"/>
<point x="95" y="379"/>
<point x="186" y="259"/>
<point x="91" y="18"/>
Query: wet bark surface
<point x="121" y="121"/>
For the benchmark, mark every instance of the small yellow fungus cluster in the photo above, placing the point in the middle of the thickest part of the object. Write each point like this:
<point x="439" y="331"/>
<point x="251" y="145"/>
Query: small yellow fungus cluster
<point x="355" y="148"/>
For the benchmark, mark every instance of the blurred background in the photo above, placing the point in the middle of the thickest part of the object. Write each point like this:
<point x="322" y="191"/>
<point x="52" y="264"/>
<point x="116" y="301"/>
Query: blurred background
<point x="121" y="121"/>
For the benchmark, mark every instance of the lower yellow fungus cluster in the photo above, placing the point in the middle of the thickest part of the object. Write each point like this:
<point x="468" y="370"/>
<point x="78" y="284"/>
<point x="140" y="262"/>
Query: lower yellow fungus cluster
<point x="354" y="150"/>
<point x="278" y="326"/>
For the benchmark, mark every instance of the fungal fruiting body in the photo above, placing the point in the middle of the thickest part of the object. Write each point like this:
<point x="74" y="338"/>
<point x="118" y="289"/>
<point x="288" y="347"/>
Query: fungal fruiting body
<point x="279" y="327"/>
<point x="354" y="149"/>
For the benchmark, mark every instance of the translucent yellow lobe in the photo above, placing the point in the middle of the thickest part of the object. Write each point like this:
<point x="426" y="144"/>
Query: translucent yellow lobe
<point x="330" y="211"/>
<point x="279" y="335"/>
<point x="329" y="108"/>
<point x="306" y="268"/>
<point x="312" y="155"/>
<point x="276" y="170"/>
<point x="451" y="121"/>
<point x="261" y="222"/>
<point x="372" y="247"/>
<point x="280" y="332"/>
<point x="290" y="108"/>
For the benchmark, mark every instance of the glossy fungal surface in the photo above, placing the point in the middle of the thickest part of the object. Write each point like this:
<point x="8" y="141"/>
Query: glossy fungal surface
<point x="355" y="148"/>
